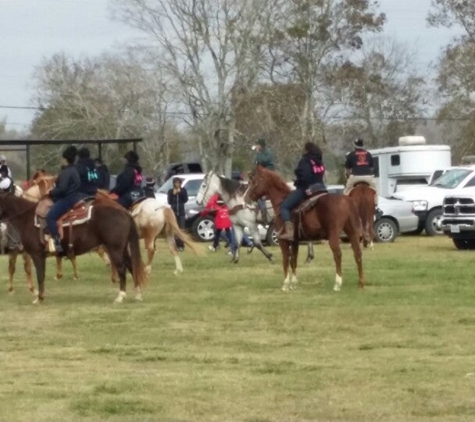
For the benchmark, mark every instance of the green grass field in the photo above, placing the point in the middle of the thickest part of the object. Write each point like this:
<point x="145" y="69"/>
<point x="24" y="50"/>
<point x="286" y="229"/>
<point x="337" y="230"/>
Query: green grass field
<point x="224" y="343"/>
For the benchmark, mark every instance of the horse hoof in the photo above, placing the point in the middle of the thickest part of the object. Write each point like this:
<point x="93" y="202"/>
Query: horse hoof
<point x="58" y="277"/>
<point x="38" y="301"/>
<point x="148" y="269"/>
<point x="75" y="278"/>
<point x="336" y="288"/>
<point x="285" y="289"/>
<point x="120" y="298"/>
<point x="177" y="272"/>
<point x="11" y="292"/>
<point x="139" y="298"/>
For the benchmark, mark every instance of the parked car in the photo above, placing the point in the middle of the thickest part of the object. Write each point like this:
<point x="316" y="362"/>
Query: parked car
<point x="176" y="169"/>
<point x="458" y="219"/>
<point x="428" y="200"/>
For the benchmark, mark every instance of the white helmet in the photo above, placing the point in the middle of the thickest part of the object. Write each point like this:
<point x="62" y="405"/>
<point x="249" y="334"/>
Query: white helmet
<point x="3" y="158"/>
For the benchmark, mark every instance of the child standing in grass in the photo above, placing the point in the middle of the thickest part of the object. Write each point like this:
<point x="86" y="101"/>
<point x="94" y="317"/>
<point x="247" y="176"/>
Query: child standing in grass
<point x="222" y="221"/>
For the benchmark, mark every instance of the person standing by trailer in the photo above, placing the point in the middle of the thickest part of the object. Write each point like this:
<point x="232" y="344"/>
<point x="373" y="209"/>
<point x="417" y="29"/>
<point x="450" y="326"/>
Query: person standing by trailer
<point x="177" y="198"/>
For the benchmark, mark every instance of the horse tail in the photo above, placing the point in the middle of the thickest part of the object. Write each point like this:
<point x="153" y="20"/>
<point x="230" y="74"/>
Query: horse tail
<point x="172" y="229"/>
<point x="138" y="268"/>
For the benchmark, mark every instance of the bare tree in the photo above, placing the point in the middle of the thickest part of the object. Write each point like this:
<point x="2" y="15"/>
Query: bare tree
<point x="213" y="52"/>
<point x="107" y="97"/>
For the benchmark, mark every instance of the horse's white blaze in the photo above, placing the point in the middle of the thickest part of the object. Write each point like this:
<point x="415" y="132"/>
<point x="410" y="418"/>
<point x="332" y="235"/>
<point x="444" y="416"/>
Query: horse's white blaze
<point x="338" y="283"/>
<point x="120" y="298"/>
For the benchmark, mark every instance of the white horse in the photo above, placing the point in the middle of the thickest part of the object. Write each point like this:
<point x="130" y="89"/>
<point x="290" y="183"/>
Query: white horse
<point x="241" y="214"/>
<point x="154" y="220"/>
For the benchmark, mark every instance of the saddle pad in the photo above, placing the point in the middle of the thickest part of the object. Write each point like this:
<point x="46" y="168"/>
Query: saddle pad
<point x="77" y="216"/>
<point x="310" y="203"/>
<point x="365" y="184"/>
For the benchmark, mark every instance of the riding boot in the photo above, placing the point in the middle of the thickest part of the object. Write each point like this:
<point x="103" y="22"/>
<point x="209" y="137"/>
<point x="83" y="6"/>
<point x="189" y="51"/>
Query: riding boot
<point x="288" y="232"/>
<point x="57" y="245"/>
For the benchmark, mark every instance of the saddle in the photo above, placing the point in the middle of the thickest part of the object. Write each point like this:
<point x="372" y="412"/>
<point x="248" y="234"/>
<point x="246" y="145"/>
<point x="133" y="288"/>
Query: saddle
<point x="318" y="191"/>
<point x="79" y="214"/>
<point x="134" y="208"/>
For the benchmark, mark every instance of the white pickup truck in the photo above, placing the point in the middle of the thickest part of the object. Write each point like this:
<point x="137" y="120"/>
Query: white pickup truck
<point x="428" y="200"/>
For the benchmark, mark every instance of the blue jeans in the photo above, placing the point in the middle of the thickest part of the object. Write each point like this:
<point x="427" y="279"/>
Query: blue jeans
<point x="261" y="204"/>
<point x="59" y="208"/>
<point x="294" y="198"/>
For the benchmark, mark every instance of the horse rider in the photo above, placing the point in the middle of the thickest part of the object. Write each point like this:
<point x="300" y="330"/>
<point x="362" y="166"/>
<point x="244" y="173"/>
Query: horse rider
<point x="359" y="167"/>
<point x="103" y="174"/>
<point x="265" y="159"/>
<point x="149" y="189"/>
<point x="64" y="195"/>
<point x="6" y="182"/>
<point x="3" y="162"/>
<point x="129" y="183"/>
<point x="87" y="173"/>
<point x="309" y="172"/>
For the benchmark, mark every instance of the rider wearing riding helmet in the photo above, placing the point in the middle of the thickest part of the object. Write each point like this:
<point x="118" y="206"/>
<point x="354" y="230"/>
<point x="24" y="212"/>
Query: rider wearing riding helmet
<point x="309" y="171"/>
<point x="87" y="173"/>
<point x="64" y="195"/>
<point x="129" y="183"/>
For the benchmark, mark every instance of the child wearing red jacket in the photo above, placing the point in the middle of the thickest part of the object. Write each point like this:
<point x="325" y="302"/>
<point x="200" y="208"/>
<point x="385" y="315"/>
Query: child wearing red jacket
<point x="221" y="219"/>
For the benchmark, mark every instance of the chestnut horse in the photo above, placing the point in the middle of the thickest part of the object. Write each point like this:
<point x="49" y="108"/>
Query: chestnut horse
<point x="109" y="226"/>
<point x="37" y="188"/>
<point x="363" y="196"/>
<point x="331" y="215"/>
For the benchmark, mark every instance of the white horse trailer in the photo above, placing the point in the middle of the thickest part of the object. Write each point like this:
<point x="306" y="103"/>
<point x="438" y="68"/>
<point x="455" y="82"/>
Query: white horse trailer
<point x="408" y="165"/>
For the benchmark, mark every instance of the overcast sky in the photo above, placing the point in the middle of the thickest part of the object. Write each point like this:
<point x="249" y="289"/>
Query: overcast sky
<point x="31" y="30"/>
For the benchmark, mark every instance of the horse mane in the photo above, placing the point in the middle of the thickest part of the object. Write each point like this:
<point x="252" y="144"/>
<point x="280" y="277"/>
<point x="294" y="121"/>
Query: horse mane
<point x="231" y="186"/>
<point x="275" y="178"/>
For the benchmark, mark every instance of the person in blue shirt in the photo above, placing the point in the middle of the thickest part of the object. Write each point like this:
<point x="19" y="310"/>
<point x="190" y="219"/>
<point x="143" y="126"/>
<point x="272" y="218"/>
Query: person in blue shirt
<point x="65" y="194"/>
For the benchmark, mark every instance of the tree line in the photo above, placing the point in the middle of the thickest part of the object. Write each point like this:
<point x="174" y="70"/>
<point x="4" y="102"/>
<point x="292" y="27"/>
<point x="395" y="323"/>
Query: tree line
<point x="209" y="77"/>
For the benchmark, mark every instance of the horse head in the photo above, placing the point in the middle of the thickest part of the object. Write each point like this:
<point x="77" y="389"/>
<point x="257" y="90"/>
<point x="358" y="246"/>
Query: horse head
<point x="258" y="184"/>
<point x="210" y="186"/>
<point x="41" y="184"/>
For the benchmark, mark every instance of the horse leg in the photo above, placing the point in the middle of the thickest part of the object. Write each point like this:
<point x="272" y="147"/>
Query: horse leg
<point x="149" y="241"/>
<point x="334" y="242"/>
<point x="128" y="265"/>
<point x="105" y="257"/>
<point x="174" y="251"/>
<point x="75" y="268"/>
<point x="117" y="262"/>
<point x="293" y="264"/>
<point x="355" y="244"/>
<point x="284" y="247"/>
<point x="27" y="266"/>
<point x="310" y="253"/>
<point x="12" y="257"/>
<point x="59" y="268"/>
<point x="238" y="235"/>
<point x="256" y="238"/>
<point x="39" y="260"/>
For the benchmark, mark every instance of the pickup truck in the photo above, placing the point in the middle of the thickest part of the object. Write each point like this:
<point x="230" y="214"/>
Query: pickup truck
<point x="458" y="219"/>
<point x="428" y="200"/>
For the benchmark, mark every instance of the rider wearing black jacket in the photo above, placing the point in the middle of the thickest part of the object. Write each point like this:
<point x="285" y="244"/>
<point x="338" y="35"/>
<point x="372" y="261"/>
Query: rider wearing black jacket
<point x="309" y="171"/>
<point x="87" y="173"/>
<point x="129" y="183"/>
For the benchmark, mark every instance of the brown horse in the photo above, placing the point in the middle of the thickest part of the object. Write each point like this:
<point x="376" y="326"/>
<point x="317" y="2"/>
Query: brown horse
<point x="109" y="226"/>
<point x="331" y="215"/>
<point x="363" y="196"/>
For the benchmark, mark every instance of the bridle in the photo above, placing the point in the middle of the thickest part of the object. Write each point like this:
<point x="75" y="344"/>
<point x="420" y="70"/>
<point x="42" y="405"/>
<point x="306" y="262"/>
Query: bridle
<point x="205" y="180"/>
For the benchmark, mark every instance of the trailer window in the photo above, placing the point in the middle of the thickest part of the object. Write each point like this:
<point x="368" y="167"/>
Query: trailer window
<point x="376" y="166"/>
<point x="395" y="160"/>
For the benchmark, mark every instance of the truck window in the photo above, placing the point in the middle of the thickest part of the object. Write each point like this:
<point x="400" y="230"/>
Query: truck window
<point x="395" y="160"/>
<point x="470" y="183"/>
<point x="376" y="166"/>
<point x="193" y="186"/>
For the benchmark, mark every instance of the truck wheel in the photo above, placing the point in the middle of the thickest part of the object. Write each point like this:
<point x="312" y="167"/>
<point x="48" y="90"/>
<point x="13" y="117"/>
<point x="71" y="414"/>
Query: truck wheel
<point x="431" y="222"/>
<point x="202" y="229"/>
<point x="385" y="230"/>
<point x="461" y="244"/>
<point x="272" y="239"/>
